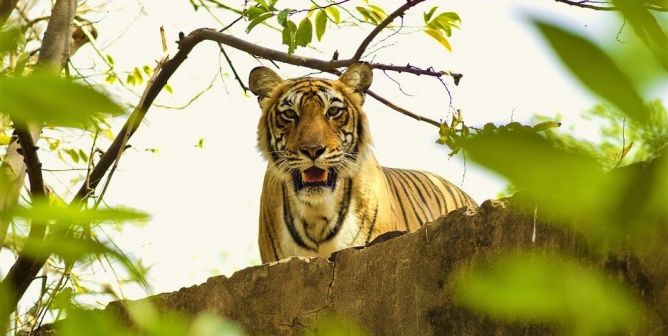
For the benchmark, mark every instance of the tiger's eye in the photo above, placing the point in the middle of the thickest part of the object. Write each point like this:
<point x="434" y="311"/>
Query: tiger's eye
<point x="289" y="114"/>
<point x="334" y="112"/>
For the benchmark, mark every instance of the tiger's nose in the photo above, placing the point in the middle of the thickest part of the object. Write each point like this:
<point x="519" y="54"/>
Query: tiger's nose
<point x="312" y="152"/>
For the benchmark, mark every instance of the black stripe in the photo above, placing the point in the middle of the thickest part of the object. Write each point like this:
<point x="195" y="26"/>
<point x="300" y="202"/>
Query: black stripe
<point x="271" y="238"/>
<point x="305" y="226"/>
<point x="289" y="222"/>
<point x="373" y="223"/>
<point x="270" y="135"/>
<point x="448" y="187"/>
<point x="343" y="210"/>
<point x="411" y="197"/>
<point x="433" y="189"/>
<point x="395" y="192"/>
<point x="400" y="173"/>
<point x="408" y="196"/>
<point x="321" y="87"/>
<point x="356" y="137"/>
<point x="415" y="180"/>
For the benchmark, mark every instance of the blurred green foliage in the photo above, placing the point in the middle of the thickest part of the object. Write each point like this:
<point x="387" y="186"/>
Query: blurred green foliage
<point x="570" y="178"/>
<point x="548" y="289"/>
<point x="559" y="173"/>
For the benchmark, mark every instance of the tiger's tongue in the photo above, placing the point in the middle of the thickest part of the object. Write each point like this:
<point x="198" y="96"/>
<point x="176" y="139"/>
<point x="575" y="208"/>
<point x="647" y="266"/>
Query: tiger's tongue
<point x="314" y="174"/>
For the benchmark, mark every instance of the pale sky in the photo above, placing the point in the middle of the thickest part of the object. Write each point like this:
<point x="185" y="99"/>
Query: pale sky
<point x="204" y="202"/>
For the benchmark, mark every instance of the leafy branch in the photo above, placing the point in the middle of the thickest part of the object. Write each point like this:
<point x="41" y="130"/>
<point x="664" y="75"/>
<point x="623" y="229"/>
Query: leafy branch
<point x="457" y="133"/>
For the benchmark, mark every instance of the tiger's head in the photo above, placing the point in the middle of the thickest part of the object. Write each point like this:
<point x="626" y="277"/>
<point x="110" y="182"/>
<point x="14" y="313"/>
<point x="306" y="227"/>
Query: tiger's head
<point x="313" y="131"/>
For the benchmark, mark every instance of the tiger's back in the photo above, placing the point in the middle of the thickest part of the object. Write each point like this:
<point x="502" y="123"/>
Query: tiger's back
<point x="419" y="197"/>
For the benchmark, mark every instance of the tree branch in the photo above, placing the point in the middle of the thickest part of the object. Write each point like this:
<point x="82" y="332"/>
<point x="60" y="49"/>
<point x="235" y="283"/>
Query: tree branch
<point x="54" y="49"/>
<point x="6" y="9"/>
<point x="400" y="11"/>
<point x="54" y="53"/>
<point x="590" y="5"/>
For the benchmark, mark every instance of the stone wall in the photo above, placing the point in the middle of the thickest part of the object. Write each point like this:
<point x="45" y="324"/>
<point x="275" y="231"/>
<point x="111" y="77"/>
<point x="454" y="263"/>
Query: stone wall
<point x="401" y="286"/>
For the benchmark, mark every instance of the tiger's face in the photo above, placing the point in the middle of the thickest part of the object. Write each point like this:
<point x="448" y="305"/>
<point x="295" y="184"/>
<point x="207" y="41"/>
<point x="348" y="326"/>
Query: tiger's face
<point x="313" y="131"/>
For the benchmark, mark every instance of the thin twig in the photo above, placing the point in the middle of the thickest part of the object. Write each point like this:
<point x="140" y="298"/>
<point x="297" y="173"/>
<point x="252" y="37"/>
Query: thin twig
<point x="319" y="7"/>
<point x="621" y="155"/>
<point x="398" y="84"/>
<point x="402" y="110"/>
<point x="589" y="5"/>
<point x="234" y="70"/>
<point x="398" y="12"/>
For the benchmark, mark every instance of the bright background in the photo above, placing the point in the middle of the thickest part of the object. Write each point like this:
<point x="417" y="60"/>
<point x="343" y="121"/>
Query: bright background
<point x="204" y="202"/>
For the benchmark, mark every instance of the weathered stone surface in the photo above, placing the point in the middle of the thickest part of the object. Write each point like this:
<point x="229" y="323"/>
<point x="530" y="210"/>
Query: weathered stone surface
<point x="401" y="286"/>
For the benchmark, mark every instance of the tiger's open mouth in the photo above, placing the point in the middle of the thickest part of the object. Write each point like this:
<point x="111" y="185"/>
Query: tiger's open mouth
<point x="314" y="177"/>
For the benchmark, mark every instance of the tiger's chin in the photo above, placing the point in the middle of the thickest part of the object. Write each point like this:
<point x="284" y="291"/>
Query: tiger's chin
<point x="314" y="181"/>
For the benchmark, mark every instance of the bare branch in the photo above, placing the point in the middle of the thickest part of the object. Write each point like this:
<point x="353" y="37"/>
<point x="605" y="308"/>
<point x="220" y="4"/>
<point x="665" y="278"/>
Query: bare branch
<point x="592" y="5"/>
<point x="400" y="11"/>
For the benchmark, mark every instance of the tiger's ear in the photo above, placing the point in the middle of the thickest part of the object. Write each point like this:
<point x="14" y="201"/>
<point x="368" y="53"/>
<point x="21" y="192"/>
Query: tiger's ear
<point x="358" y="76"/>
<point x="262" y="81"/>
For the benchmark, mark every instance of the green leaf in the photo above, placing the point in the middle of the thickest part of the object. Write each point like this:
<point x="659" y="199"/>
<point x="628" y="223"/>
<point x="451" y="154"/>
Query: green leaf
<point x="570" y="185"/>
<point x="83" y="155"/>
<point x="44" y="97"/>
<point x="378" y="11"/>
<point x="646" y="27"/>
<point x="538" y="288"/>
<point x="73" y="155"/>
<point x="9" y="39"/>
<point x="130" y="80"/>
<point x="334" y="14"/>
<point x="63" y="299"/>
<point x="110" y="60"/>
<point x="147" y="70"/>
<point x="304" y="33"/>
<point x="448" y="18"/>
<point x="545" y="125"/>
<point x="283" y="16"/>
<point x="44" y="213"/>
<point x="366" y="14"/>
<point x="427" y="15"/>
<point x="439" y="37"/>
<point x="21" y="63"/>
<point x="312" y="10"/>
<point x="139" y="79"/>
<point x="169" y="89"/>
<point x="289" y="32"/>
<point x="258" y="20"/>
<point x="320" y="24"/>
<point x="264" y="4"/>
<point x="111" y="78"/>
<point x="254" y="12"/>
<point x="595" y="69"/>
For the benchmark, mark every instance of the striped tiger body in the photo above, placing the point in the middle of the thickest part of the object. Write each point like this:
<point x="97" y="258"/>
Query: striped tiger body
<point x="323" y="189"/>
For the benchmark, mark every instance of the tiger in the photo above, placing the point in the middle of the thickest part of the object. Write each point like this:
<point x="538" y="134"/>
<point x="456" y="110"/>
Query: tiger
<point x="323" y="189"/>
